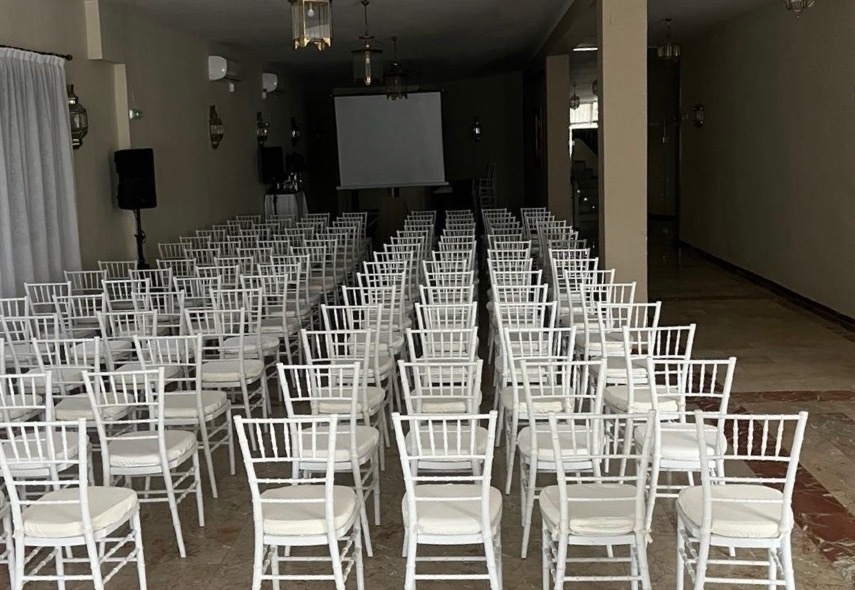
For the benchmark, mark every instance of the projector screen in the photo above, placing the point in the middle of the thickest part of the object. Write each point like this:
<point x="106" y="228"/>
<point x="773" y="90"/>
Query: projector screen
<point x="390" y="143"/>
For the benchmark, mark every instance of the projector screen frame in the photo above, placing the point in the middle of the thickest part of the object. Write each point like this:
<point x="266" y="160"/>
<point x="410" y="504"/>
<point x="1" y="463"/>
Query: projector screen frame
<point x="349" y="93"/>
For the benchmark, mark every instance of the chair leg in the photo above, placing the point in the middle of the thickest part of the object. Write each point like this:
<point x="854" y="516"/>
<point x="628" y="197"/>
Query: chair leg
<point x="643" y="564"/>
<point x="375" y="474"/>
<point x="703" y="557"/>
<point x="209" y="462"/>
<point x="492" y="564"/>
<point x="173" y="511"/>
<point x="140" y="555"/>
<point x="274" y="566"/>
<point x="257" y="562"/>
<point x="200" y="500"/>
<point x="528" y="507"/>
<point x="651" y="497"/>
<point x="787" y="562"/>
<point x="94" y="564"/>
<point x="357" y="556"/>
<point x="772" y="569"/>
<point x="230" y="432"/>
<point x="19" y="556"/>
<point x="681" y="549"/>
<point x="60" y="568"/>
<point x="410" y="576"/>
<point x="545" y="541"/>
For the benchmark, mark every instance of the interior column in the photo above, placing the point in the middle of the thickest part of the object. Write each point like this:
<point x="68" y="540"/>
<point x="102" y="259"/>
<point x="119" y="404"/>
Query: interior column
<point x="558" y="136"/>
<point x="622" y="40"/>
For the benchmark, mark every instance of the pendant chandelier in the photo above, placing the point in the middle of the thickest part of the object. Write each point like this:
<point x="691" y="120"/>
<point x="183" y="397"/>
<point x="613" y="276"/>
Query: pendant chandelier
<point x="396" y="77"/>
<point x="798" y="6"/>
<point x="367" y="65"/>
<point x="311" y="23"/>
<point x="575" y="101"/>
<point x="670" y="50"/>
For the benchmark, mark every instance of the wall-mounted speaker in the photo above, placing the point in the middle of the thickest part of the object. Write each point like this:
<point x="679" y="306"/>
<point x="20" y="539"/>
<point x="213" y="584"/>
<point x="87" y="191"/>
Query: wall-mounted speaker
<point x="271" y="164"/>
<point x="135" y="168"/>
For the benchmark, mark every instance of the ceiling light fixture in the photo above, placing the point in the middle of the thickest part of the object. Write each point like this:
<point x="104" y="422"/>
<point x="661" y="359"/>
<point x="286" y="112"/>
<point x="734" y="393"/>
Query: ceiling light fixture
<point x="396" y="78"/>
<point x="311" y="23"/>
<point x="575" y="101"/>
<point x="669" y="51"/>
<point x="366" y="65"/>
<point x="798" y="6"/>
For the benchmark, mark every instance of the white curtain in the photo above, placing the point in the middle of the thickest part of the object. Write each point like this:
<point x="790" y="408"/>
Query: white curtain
<point x="38" y="206"/>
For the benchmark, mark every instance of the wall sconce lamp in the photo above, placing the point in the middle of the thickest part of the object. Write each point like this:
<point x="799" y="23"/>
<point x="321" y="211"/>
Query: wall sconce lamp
<point x="697" y="115"/>
<point x="477" y="131"/>
<point x="295" y="132"/>
<point x="262" y="129"/>
<point x="216" y="130"/>
<point x="79" y="118"/>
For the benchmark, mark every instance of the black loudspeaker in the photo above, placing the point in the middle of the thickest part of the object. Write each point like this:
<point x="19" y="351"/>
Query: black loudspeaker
<point x="271" y="165"/>
<point x="135" y="168"/>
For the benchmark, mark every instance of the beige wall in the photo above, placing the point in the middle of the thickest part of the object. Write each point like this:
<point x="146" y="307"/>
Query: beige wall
<point x="498" y="102"/>
<point x="768" y="183"/>
<point x="166" y="74"/>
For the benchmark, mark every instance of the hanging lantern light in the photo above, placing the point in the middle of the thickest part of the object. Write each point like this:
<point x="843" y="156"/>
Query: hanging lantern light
<point x="575" y="101"/>
<point x="476" y="129"/>
<point x="669" y="51"/>
<point x="262" y="129"/>
<point x="367" y="66"/>
<point x="798" y="6"/>
<point x="311" y="23"/>
<point x="396" y="78"/>
<point x="79" y="118"/>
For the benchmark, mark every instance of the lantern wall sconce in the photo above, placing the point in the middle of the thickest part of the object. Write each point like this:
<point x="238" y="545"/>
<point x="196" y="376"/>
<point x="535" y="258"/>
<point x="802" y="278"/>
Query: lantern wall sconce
<point x="311" y="23"/>
<point x="216" y="130"/>
<point x="697" y="115"/>
<point x="79" y="118"/>
<point x="595" y="87"/>
<point x="575" y="101"/>
<point x="134" y="114"/>
<point x="295" y="132"/>
<point x="262" y="129"/>
<point x="476" y="129"/>
<point x="798" y="6"/>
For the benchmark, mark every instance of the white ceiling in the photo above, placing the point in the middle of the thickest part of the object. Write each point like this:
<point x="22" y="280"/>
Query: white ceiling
<point x="441" y="39"/>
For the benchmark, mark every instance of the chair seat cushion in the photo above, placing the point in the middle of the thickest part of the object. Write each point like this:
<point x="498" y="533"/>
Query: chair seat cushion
<point x="116" y="346"/>
<point x="543" y="445"/>
<point x="679" y="441"/>
<point x="455" y="516"/>
<point x="544" y="405"/>
<point x="183" y="405"/>
<point x="140" y="449"/>
<point x="71" y="377"/>
<point x="444" y="443"/>
<point x="108" y="507"/>
<point x="306" y="518"/>
<point x="75" y="407"/>
<point x="741" y="520"/>
<point x="613" y="516"/>
<point x="23" y="456"/>
<point x="275" y="325"/>
<point x="169" y="371"/>
<point x="617" y="397"/>
<point x="376" y="397"/>
<point x="269" y="344"/>
<point x="231" y="371"/>
<point x="23" y="407"/>
<point x="367" y="439"/>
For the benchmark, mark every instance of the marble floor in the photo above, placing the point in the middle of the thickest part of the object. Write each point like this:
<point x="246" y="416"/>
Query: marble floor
<point x="789" y="359"/>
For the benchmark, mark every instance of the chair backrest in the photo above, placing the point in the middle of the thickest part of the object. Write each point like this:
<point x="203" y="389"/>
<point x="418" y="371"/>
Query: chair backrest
<point x="84" y="282"/>
<point x="325" y="388"/>
<point x="67" y="359"/>
<point x="43" y="296"/>
<point x="455" y="439"/>
<point x="125" y="402"/>
<point x="442" y="344"/>
<point x="525" y="315"/>
<point x="79" y="313"/>
<point x="19" y="333"/>
<point x="284" y="445"/>
<point x="181" y="267"/>
<point x="169" y="306"/>
<point x="117" y="269"/>
<point x="36" y="456"/>
<point x="441" y="387"/>
<point x="14" y="306"/>
<point x="184" y="353"/>
<point x="160" y="279"/>
<point x="120" y="292"/>
<point x="26" y="397"/>
<point x="676" y="386"/>
<point x="224" y="332"/>
<point x="557" y="384"/>
<point x="612" y="318"/>
<point x="126" y="324"/>
<point x="450" y="316"/>
<point x="447" y="295"/>
<point x="171" y="251"/>
<point x="773" y="443"/>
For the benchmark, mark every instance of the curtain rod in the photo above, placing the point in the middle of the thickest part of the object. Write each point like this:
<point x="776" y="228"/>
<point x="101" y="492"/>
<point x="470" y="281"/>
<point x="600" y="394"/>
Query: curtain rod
<point x="65" y="56"/>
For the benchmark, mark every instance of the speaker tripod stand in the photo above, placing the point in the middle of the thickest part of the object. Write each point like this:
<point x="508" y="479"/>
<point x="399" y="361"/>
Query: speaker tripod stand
<point x="140" y="237"/>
